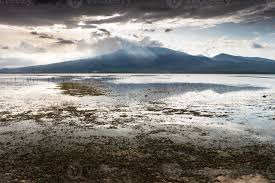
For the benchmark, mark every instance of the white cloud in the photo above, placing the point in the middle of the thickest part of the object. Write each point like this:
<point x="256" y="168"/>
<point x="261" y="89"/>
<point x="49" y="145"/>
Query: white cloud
<point x="14" y="62"/>
<point x="97" y="45"/>
<point x="26" y="47"/>
<point x="241" y="47"/>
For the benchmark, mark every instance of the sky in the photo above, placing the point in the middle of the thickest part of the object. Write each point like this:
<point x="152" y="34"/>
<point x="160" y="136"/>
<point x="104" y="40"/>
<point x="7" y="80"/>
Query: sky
<point x="48" y="32"/>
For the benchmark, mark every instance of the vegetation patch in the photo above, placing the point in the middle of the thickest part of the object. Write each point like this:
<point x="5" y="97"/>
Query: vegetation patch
<point x="174" y="111"/>
<point x="77" y="89"/>
<point x="55" y="114"/>
<point x="142" y="159"/>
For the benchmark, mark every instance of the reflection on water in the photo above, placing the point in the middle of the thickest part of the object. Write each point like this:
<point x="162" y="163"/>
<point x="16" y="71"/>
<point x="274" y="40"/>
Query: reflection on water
<point x="234" y="102"/>
<point x="184" y="87"/>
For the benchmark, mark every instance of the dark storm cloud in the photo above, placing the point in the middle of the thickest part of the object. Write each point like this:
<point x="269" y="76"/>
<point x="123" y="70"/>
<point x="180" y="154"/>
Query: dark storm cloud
<point x="168" y="30"/>
<point x="137" y="10"/>
<point x="60" y="41"/>
<point x="88" y="26"/>
<point x="257" y="46"/>
<point x="105" y="31"/>
<point x="34" y="33"/>
<point x="4" y="47"/>
<point x="149" y="30"/>
<point x="64" y="41"/>
<point x="42" y="35"/>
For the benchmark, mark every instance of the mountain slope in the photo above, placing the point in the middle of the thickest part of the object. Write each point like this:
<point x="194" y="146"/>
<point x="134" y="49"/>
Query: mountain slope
<point x="155" y="60"/>
<point x="237" y="64"/>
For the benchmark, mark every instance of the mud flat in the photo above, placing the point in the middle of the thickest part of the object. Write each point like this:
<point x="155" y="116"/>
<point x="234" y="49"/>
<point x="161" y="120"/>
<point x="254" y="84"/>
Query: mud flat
<point x="65" y="130"/>
<point x="37" y="149"/>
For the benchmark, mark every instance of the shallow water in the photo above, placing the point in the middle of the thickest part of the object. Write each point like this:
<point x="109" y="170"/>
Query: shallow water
<point x="237" y="104"/>
<point x="136" y="128"/>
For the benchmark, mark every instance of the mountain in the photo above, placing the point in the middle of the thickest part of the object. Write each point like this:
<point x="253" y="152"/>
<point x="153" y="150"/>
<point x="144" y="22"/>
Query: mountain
<point x="226" y="57"/>
<point x="155" y="60"/>
<point x="237" y="64"/>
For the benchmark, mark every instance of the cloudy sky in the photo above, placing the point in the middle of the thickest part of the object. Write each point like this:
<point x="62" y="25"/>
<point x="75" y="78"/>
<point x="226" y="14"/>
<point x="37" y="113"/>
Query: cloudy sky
<point x="45" y="33"/>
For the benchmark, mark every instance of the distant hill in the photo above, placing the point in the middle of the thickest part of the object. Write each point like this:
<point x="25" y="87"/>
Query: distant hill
<point x="236" y="64"/>
<point x="155" y="60"/>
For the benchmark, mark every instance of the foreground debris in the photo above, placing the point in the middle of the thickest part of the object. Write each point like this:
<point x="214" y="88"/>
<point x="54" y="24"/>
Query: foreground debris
<point x="60" y="153"/>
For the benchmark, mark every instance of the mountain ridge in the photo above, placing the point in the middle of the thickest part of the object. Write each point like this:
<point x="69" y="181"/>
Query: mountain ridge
<point x="155" y="60"/>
